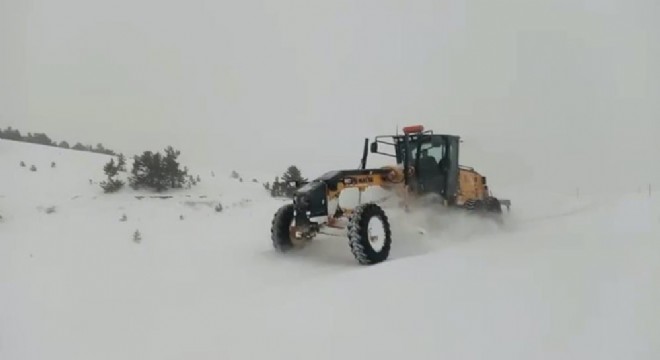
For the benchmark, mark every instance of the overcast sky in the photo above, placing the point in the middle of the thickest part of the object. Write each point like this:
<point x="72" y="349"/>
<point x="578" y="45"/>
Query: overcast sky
<point x="564" y="90"/>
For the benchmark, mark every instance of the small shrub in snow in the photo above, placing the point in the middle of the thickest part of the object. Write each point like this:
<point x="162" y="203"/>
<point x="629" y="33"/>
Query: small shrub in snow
<point x="255" y="181"/>
<point x="52" y="164"/>
<point x="180" y="217"/>
<point x="33" y="168"/>
<point x="235" y="175"/>
<point x="190" y="181"/>
<point x="137" y="237"/>
<point x="218" y="208"/>
<point x="124" y="218"/>
<point x="22" y="163"/>
<point x="50" y="210"/>
<point x="112" y="185"/>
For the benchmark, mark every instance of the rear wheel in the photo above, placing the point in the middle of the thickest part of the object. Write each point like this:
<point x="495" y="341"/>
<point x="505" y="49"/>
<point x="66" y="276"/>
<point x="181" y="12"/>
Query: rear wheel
<point x="369" y="235"/>
<point x="493" y="205"/>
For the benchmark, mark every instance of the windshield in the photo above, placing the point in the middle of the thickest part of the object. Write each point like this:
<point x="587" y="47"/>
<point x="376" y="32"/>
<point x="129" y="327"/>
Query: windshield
<point x="435" y="150"/>
<point x="429" y="151"/>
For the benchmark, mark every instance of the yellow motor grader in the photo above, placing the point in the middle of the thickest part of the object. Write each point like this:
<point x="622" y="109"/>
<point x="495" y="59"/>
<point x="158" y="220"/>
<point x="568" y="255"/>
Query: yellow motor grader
<point x="426" y="164"/>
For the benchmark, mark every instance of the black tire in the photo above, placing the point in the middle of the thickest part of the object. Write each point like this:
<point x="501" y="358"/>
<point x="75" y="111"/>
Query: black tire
<point x="281" y="227"/>
<point x="493" y="205"/>
<point x="358" y="234"/>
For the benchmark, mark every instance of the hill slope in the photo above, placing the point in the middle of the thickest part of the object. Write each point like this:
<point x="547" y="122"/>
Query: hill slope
<point x="563" y="279"/>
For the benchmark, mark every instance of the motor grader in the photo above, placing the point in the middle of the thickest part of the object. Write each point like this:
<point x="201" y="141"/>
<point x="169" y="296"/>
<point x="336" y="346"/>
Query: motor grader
<point x="425" y="164"/>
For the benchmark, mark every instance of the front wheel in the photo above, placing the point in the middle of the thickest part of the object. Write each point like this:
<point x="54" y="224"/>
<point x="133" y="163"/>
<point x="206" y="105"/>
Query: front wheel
<point x="369" y="235"/>
<point x="281" y="231"/>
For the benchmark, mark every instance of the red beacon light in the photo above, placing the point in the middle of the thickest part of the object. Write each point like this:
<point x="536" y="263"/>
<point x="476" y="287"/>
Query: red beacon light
<point x="413" y="129"/>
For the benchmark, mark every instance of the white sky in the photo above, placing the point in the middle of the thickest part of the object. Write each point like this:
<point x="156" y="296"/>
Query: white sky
<point x="565" y="90"/>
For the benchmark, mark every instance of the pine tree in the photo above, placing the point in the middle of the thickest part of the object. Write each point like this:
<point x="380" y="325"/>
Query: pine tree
<point x="293" y="174"/>
<point x="173" y="173"/>
<point x="275" y="189"/>
<point x="290" y="178"/>
<point x="11" y="134"/>
<point x="121" y="163"/>
<point x="111" y="170"/>
<point x="159" y="172"/>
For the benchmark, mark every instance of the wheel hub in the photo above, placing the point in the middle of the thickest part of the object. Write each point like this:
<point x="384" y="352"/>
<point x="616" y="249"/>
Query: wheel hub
<point x="376" y="233"/>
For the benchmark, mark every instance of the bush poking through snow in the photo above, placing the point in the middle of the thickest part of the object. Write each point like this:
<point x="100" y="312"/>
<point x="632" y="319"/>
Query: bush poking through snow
<point x="181" y="217"/>
<point x="51" y="210"/>
<point x="137" y="237"/>
<point x="22" y="164"/>
<point x="235" y="175"/>
<point x="123" y="218"/>
<point x="112" y="185"/>
<point x="52" y="164"/>
<point x="218" y="208"/>
<point x="190" y="182"/>
<point x="33" y="168"/>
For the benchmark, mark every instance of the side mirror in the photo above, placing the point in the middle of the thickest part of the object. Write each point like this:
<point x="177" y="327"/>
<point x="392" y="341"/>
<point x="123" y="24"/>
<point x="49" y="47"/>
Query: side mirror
<point x="374" y="147"/>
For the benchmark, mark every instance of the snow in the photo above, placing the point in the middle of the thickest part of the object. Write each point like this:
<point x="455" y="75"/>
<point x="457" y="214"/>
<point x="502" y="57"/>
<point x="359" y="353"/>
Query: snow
<point x="563" y="278"/>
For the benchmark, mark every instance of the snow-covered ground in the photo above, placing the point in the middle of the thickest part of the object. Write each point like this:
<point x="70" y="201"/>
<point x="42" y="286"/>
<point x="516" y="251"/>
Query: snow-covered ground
<point x="564" y="278"/>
